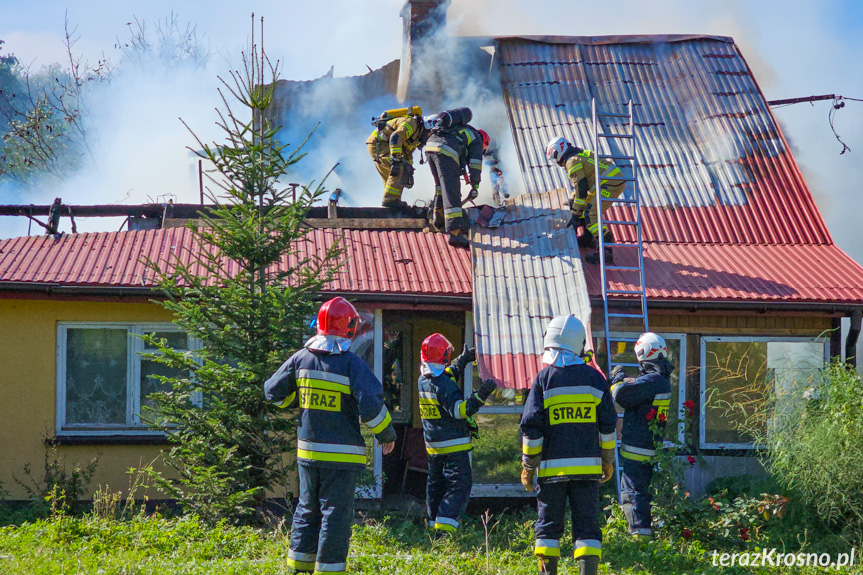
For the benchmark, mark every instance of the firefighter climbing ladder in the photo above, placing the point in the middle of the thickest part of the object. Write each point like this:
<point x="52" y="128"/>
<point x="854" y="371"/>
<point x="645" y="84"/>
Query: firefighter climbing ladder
<point x="622" y="148"/>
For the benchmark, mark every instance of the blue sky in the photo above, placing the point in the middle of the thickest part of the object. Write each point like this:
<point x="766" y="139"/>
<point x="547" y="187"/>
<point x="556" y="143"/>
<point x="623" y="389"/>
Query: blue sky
<point x="796" y="48"/>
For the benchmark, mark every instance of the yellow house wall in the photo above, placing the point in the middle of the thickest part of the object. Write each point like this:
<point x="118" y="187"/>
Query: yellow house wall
<point x="28" y="390"/>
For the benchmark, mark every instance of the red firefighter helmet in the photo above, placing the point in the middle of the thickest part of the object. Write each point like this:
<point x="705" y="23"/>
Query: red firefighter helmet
<point x="338" y="317"/>
<point x="436" y="349"/>
<point x="485" y="140"/>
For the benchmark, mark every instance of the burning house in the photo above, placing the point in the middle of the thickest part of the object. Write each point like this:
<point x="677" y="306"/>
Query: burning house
<point x="742" y="277"/>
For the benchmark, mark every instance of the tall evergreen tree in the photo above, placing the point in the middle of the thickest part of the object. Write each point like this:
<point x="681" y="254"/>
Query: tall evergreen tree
<point x="245" y="291"/>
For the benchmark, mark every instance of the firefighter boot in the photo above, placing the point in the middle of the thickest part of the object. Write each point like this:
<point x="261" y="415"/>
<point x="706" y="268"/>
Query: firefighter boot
<point x="458" y="241"/>
<point x="547" y="565"/>
<point x="593" y="258"/>
<point x="588" y="565"/>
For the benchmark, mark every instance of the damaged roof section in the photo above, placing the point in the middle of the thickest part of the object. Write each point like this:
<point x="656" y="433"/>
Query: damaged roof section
<point x="714" y="166"/>
<point x="526" y="271"/>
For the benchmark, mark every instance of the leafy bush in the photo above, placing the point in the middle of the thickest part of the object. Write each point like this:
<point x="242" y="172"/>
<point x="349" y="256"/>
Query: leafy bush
<point x="58" y="491"/>
<point x="813" y="444"/>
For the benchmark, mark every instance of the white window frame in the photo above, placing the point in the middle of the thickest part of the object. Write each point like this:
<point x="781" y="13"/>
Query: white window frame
<point x="702" y="382"/>
<point x="135" y="346"/>
<point x="376" y="491"/>
<point x="681" y="370"/>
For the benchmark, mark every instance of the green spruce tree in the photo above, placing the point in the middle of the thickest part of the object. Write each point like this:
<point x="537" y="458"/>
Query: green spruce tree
<point x="245" y="291"/>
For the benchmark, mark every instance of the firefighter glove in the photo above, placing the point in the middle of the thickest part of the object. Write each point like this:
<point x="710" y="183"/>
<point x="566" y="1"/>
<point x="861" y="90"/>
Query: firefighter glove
<point x="472" y="428"/>
<point x="607" y="471"/>
<point x="617" y="374"/>
<point x="487" y="387"/>
<point x="469" y="354"/>
<point x="396" y="166"/>
<point x="528" y="478"/>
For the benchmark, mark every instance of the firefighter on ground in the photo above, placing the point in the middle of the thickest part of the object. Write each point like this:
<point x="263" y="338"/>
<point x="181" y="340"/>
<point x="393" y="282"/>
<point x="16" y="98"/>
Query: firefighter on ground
<point x="581" y="171"/>
<point x="391" y="146"/>
<point x="453" y="146"/>
<point x="643" y="399"/>
<point x="568" y="430"/>
<point x="334" y="389"/>
<point x="447" y="422"/>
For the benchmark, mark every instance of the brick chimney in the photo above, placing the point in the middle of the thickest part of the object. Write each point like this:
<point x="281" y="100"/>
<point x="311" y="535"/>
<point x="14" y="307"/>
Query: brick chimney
<point x="421" y="19"/>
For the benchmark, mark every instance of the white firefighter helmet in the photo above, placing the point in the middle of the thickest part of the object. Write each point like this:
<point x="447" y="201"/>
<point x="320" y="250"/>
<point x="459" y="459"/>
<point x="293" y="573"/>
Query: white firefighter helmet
<point x="650" y="347"/>
<point x="565" y="332"/>
<point x="430" y="122"/>
<point x="556" y="148"/>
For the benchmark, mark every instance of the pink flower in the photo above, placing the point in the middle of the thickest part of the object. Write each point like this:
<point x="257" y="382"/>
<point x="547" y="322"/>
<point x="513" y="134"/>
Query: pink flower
<point x="744" y="533"/>
<point x="662" y="417"/>
<point x="687" y="533"/>
<point x="650" y="415"/>
<point x="690" y="460"/>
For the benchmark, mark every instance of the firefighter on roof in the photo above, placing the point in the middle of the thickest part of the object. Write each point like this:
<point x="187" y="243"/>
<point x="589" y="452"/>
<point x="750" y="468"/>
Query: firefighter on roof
<point x="453" y="146"/>
<point x="581" y="171"/>
<point x="568" y="430"/>
<point x="446" y="417"/>
<point x="334" y="389"/>
<point x="644" y="399"/>
<point x="391" y="145"/>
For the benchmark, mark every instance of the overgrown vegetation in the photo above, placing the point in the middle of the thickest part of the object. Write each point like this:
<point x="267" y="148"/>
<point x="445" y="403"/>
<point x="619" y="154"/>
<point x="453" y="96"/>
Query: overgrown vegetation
<point x="244" y="292"/>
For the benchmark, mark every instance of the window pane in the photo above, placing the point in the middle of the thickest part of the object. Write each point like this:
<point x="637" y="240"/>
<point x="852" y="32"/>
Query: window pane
<point x="96" y="376"/>
<point x="504" y="396"/>
<point x="740" y="374"/>
<point x="497" y="452"/>
<point x="397" y="371"/>
<point x="624" y="352"/>
<point x="150" y="384"/>
<point x="364" y="343"/>
<point x="175" y="339"/>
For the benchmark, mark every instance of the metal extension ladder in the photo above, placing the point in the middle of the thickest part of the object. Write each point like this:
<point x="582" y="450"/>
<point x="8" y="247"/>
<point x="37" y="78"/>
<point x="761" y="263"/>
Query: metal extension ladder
<point x="626" y="152"/>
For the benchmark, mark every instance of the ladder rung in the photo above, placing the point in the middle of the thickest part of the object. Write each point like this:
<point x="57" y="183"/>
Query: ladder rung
<point x="626" y="364"/>
<point x="620" y="200"/>
<point x="625" y="315"/>
<point x="616" y="179"/>
<point x="612" y="115"/>
<point x="620" y="245"/>
<point x="601" y="157"/>
<point x="624" y="339"/>
<point x="623" y="268"/>
<point x="621" y="136"/>
<point x="620" y="222"/>
<point x="624" y="291"/>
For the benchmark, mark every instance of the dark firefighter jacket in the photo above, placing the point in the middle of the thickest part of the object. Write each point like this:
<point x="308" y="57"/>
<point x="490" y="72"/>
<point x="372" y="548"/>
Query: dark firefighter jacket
<point x="582" y="173"/>
<point x="461" y="143"/>
<point x="650" y="391"/>
<point x="400" y="137"/>
<point x="334" y="391"/>
<point x="444" y="410"/>
<point x="568" y="420"/>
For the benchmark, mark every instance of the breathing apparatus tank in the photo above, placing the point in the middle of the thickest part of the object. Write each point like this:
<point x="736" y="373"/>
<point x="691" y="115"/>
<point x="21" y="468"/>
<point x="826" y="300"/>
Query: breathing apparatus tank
<point x="454" y="117"/>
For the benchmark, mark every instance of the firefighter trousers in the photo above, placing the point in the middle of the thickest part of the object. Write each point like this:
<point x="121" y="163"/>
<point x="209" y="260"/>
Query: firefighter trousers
<point x="551" y="500"/>
<point x="448" y="489"/>
<point x="321" y="529"/>
<point x="635" y="495"/>
<point x="394" y="184"/>
<point x="591" y="216"/>
<point x="447" y="184"/>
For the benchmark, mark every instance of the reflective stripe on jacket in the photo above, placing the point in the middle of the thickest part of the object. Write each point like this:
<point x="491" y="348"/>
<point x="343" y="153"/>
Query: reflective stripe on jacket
<point x="568" y="419"/>
<point x="462" y="144"/>
<point x="334" y="391"/>
<point x="401" y="136"/>
<point x="444" y="412"/>
<point x="580" y="166"/>
<point x="637" y="397"/>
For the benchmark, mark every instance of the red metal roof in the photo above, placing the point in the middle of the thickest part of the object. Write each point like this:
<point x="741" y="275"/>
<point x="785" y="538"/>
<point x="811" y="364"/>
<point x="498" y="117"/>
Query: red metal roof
<point x="375" y="261"/>
<point x="740" y="273"/>
<point x="713" y="164"/>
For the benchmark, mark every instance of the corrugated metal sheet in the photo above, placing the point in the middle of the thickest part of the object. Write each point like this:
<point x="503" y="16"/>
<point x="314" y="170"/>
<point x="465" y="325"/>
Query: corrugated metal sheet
<point x="526" y="271"/>
<point x="375" y="261"/>
<point x="724" y="272"/>
<point x="714" y="164"/>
